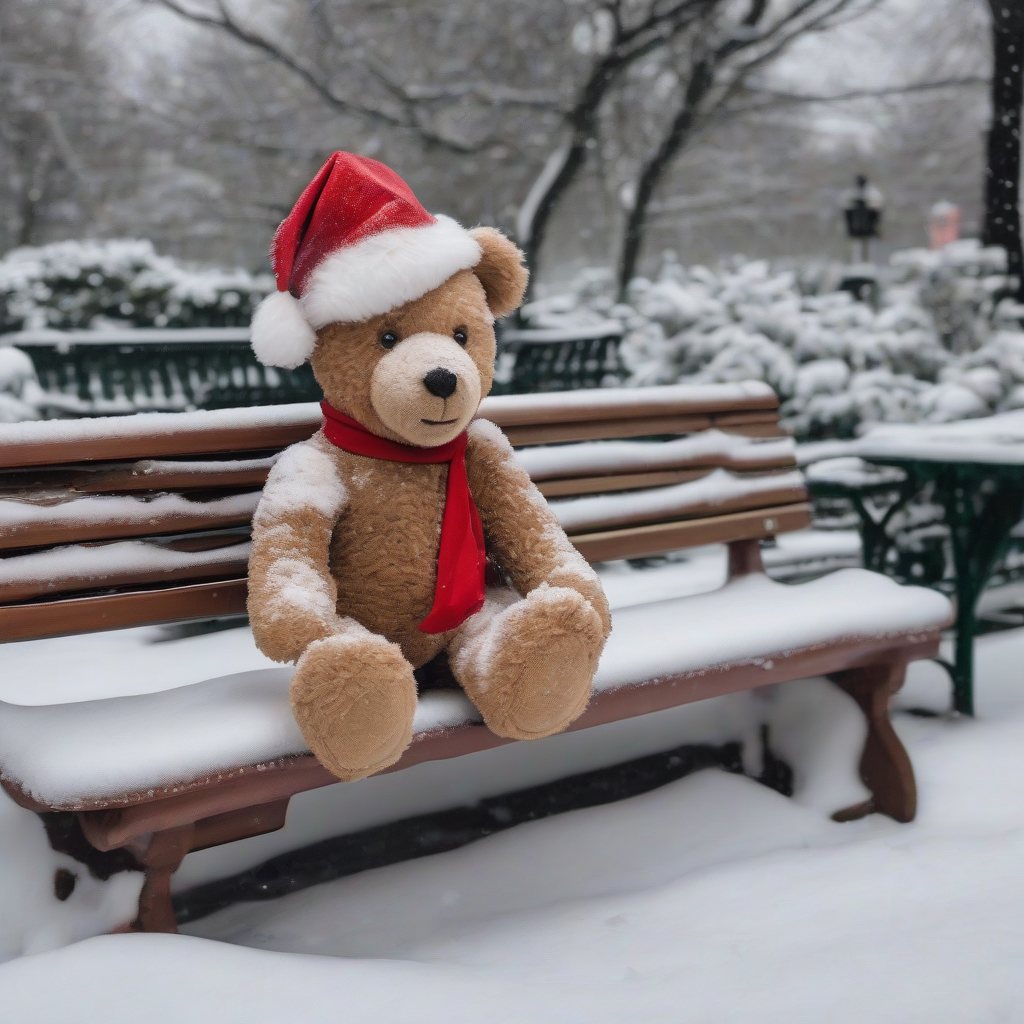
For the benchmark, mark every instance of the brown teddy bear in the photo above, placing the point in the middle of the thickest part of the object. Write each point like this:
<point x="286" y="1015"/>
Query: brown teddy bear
<point x="369" y="543"/>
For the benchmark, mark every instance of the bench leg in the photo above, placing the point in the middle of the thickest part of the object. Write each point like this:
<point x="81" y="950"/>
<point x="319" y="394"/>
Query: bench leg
<point x="161" y="858"/>
<point x="885" y="764"/>
<point x="744" y="558"/>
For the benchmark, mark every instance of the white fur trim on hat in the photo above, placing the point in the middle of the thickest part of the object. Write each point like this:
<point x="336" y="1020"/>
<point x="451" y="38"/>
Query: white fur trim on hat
<point x="387" y="270"/>
<point x="281" y="335"/>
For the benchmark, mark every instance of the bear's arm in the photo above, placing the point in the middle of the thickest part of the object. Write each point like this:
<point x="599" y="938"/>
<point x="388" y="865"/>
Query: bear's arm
<point x="522" y="532"/>
<point x="292" y="595"/>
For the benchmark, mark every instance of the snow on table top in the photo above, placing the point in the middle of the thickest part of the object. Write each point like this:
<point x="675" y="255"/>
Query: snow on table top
<point x="851" y="471"/>
<point x="590" y="458"/>
<point x="605" y="510"/>
<point x="991" y="439"/>
<point x="63" y="752"/>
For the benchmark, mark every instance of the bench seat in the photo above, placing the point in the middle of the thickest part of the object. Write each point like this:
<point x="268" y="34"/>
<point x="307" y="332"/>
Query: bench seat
<point x="108" y="753"/>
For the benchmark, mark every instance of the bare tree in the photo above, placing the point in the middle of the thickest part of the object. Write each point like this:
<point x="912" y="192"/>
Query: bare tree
<point x="45" y="66"/>
<point x="1002" y="173"/>
<point x="621" y="34"/>
<point x="725" y="57"/>
<point x="369" y="89"/>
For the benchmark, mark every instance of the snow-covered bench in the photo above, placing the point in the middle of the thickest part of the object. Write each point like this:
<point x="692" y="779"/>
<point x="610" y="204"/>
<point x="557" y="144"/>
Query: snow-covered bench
<point x="109" y="523"/>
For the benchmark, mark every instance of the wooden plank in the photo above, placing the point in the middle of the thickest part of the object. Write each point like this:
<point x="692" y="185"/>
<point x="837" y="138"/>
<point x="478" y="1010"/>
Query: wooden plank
<point x="232" y="431"/>
<point x="233" y="563"/>
<point x="595" y="462"/>
<point x="164" y="475"/>
<point x="577" y="520"/>
<point x="68" y="482"/>
<point x="660" y="538"/>
<point x="574" y="486"/>
<point x="593" y="485"/>
<point x="57" y="524"/>
<point x="116" y="445"/>
<point x="120" y="818"/>
<point x="755" y="429"/>
<point x="605" y="404"/>
<point x="602" y="430"/>
<point x="70" y="616"/>
<point x="724" y="421"/>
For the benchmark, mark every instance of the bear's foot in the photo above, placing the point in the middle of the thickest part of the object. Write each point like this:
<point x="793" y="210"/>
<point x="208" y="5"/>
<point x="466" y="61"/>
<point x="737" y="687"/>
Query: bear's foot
<point x="529" y="669"/>
<point x="354" y="700"/>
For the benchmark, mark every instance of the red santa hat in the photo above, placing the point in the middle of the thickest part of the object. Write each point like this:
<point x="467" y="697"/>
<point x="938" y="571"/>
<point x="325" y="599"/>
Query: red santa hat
<point x="356" y="244"/>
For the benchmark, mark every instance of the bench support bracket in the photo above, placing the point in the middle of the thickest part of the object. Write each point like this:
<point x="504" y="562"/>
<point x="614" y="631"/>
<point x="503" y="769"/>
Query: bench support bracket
<point x="161" y="858"/>
<point x="160" y="853"/>
<point x="885" y="764"/>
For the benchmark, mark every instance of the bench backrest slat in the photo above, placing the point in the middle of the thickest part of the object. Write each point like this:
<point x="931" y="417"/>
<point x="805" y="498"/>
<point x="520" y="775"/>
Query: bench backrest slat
<point x="266" y="428"/>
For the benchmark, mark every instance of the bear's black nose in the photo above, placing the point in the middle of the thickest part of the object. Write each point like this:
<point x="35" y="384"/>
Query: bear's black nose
<point x="441" y="382"/>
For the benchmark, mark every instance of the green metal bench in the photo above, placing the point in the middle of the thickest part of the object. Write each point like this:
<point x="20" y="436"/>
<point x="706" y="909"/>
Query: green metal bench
<point x="114" y="372"/>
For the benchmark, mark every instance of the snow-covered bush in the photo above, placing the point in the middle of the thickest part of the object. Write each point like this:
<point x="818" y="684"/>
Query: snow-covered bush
<point x="19" y="387"/>
<point x="83" y="284"/>
<point x="942" y="343"/>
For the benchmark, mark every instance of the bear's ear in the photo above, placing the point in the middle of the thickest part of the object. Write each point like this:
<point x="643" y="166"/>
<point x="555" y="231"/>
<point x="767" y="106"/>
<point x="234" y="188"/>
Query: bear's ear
<point x="500" y="271"/>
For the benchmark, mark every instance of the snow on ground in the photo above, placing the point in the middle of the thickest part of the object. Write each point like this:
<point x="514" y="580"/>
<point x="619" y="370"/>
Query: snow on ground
<point x="32" y="918"/>
<point x="711" y="899"/>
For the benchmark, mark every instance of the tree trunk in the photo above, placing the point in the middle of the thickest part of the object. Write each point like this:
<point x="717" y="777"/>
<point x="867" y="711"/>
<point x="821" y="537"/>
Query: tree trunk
<point x="559" y="173"/>
<point x="702" y="81"/>
<point x="636" y="222"/>
<point x="1002" y="174"/>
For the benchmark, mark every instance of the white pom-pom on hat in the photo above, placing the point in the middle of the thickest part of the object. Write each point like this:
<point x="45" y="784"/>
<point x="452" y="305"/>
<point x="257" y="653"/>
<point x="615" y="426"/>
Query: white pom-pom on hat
<point x="281" y="335"/>
<point x="356" y="244"/>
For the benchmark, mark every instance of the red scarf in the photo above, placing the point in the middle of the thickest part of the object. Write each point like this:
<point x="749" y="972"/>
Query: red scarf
<point x="461" y="558"/>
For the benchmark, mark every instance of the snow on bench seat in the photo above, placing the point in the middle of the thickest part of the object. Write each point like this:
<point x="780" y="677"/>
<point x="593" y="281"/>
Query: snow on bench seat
<point x="64" y="753"/>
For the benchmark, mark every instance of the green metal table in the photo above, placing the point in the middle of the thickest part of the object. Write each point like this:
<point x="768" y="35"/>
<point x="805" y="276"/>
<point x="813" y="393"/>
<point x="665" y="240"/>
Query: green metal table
<point x="973" y="470"/>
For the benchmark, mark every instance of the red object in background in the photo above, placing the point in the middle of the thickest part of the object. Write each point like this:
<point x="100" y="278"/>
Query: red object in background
<point x="943" y="225"/>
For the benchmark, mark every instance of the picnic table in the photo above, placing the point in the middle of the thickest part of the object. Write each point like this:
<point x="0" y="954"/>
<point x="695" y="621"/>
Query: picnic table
<point x="973" y="469"/>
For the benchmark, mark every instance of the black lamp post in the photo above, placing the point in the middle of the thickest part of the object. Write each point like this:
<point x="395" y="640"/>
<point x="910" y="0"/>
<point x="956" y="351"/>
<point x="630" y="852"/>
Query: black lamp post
<point x="863" y="212"/>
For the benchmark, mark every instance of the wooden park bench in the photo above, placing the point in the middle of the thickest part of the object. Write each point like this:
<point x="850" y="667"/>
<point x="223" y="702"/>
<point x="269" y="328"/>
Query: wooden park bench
<point x="109" y="523"/>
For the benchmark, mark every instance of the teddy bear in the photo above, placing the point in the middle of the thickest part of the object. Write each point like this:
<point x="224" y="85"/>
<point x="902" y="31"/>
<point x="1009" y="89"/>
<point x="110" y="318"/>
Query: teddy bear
<point x="405" y="528"/>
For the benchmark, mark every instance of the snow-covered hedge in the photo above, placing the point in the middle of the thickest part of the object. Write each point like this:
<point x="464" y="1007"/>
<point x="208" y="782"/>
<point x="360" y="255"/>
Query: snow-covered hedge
<point x="83" y="284"/>
<point x="942" y="344"/>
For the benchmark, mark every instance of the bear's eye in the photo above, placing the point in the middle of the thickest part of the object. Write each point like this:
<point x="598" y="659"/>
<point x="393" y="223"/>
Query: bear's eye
<point x="389" y="339"/>
<point x="461" y="335"/>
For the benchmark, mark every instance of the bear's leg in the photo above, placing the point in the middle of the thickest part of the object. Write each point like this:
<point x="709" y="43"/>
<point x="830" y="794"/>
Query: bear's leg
<point x="354" y="697"/>
<point x="527" y="664"/>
